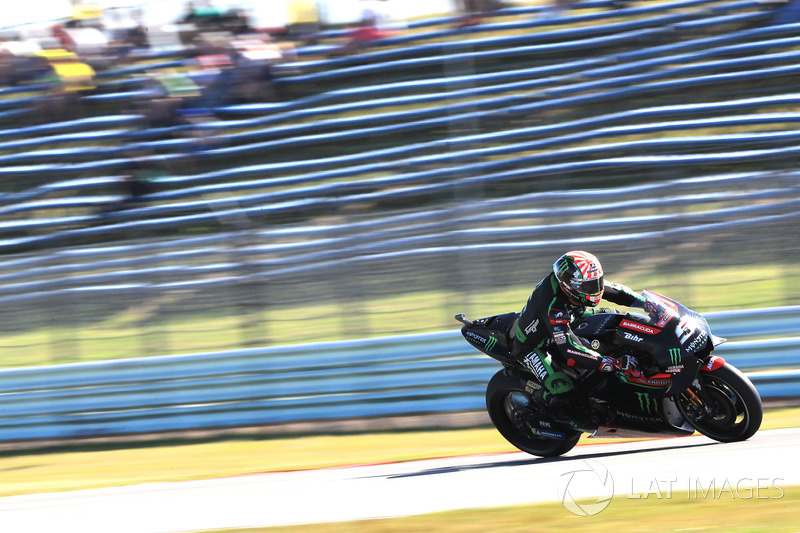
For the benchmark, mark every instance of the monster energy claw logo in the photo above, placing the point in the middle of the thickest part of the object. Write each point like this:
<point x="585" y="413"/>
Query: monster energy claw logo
<point x="675" y="356"/>
<point x="490" y="343"/>
<point x="645" y="403"/>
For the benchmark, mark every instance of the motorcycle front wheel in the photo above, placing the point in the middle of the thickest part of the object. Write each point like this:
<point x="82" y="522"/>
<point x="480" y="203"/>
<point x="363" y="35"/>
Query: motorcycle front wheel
<point x="512" y="408"/>
<point x="726" y="407"/>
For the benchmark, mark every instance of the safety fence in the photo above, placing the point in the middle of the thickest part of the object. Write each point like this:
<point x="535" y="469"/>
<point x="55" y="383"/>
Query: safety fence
<point x="419" y="374"/>
<point x="479" y="224"/>
<point x="299" y="136"/>
<point x="665" y="143"/>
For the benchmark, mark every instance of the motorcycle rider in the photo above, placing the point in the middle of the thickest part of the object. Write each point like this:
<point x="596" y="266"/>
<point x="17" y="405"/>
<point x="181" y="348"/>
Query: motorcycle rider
<point x="544" y="342"/>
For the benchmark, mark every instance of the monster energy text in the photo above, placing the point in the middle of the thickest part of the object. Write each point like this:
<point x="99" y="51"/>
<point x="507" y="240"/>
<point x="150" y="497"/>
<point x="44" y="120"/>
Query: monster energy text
<point x="645" y="403"/>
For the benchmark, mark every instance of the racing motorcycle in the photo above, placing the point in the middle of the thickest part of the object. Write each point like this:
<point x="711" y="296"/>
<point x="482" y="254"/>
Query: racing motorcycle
<point x="676" y="387"/>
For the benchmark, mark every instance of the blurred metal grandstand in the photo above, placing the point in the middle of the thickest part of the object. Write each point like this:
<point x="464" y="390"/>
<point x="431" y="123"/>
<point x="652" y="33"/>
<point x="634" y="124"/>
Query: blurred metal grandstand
<point x="663" y="140"/>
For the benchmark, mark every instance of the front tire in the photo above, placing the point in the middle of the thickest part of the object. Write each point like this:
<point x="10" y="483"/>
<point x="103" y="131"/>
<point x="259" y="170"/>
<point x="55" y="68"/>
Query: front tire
<point x="511" y="407"/>
<point x="729" y="407"/>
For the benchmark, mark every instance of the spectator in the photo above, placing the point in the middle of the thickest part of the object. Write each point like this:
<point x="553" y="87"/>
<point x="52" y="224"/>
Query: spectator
<point x="251" y="78"/>
<point x="67" y="79"/>
<point x="64" y="39"/>
<point x="303" y="20"/>
<point x="235" y="21"/>
<point x="73" y="74"/>
<point x="136" y="183"/>
<point x="376" y="23"/>
<point x="7" y="61"/>
<point x="169" y="90"/>
<point x="475" y="10"/>
<point x="127" y="31"/>
<point x="558" y="8"/>
<point x="25" y="63"/>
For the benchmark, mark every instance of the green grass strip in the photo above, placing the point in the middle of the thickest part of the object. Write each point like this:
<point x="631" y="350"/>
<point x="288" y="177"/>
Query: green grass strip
<point x="775" y="513"/>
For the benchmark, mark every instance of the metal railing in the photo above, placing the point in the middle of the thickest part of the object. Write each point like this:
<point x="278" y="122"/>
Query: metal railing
<point x="284" y="226"/>
<point x="419" y="374"/>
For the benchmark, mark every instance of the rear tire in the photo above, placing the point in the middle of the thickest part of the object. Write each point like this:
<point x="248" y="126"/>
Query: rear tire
<point x="509" y="404"/>
<point x="731" y="408"/>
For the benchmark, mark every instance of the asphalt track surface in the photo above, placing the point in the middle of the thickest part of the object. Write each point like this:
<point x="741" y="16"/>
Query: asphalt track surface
<point x="693" y="467"/>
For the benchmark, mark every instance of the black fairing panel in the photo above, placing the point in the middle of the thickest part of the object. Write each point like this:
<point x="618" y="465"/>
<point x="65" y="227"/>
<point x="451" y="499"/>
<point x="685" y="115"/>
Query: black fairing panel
<point x="602" y="326"/>
<point x="492" y="336"/>
<point x="637" y="408"/>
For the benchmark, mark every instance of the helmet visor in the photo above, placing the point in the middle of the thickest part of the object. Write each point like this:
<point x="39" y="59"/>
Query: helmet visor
<point x="588" y="287"/>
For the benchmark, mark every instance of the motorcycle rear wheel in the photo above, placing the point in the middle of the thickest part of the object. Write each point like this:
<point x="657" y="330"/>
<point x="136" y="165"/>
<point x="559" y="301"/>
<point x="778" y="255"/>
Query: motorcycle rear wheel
<point x="510" y="405"/>
<point x="731" y="408"/>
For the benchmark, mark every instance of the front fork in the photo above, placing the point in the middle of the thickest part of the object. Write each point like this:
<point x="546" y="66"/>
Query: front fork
<point x="700" y="407"/>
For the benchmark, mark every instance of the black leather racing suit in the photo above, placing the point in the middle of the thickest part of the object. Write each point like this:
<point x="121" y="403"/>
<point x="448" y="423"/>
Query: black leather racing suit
<point x="543" y="333"/>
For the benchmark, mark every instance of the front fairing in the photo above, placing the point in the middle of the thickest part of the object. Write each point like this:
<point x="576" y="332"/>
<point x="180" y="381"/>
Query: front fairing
<point x="680" y="332"/>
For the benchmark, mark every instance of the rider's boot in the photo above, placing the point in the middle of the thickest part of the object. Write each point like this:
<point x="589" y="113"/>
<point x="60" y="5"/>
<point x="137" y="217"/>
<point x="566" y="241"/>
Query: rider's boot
<point x="602" y="410"/>
<point x="567" y="408"/>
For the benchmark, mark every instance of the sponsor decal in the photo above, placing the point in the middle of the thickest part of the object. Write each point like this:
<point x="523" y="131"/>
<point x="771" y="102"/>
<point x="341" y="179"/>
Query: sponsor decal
<point x="582" y="325"/>
<point x="532" y="327"/>
<point x="546" y="433"/>
<point x="581" y="354"/>
<point x="675" y="356"/>
<point x="698" y="343"/>
<point x="491" y="343"/>
<point x="544" y="424"/>
<point x="637" y="418"/>
<point x="674" y="369"/>
<point x="532" y="386"/>
<point x="663" y="320"/>
<point x="475" y="337"/>
<point x="532" y="361"/>
<point x="560" y="338"/>
<point x="714" y="363"/>
<point x="632" y="337"/>
<point x="653" y="381"/>
<point x="559" y="317"/>
<point x="685" y="329"/>
<point x="647" y="403"/>
<point x="649" y="330"/>
<point x="603" y="323"/>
